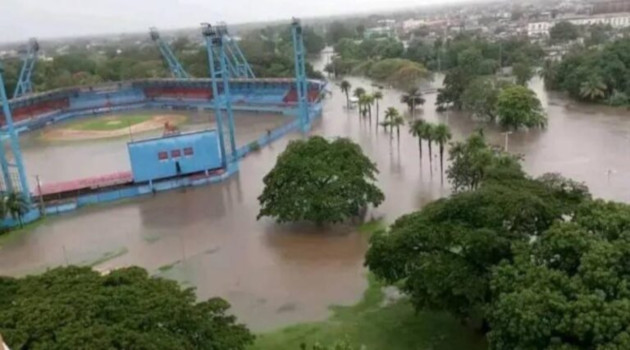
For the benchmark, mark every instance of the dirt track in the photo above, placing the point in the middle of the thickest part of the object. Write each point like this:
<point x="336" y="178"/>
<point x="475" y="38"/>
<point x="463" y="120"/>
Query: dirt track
<point x="67" y="134"/>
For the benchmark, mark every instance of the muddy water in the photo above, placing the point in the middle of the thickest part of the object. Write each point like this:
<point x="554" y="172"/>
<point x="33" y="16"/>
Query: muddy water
<point x="273" y="275"/>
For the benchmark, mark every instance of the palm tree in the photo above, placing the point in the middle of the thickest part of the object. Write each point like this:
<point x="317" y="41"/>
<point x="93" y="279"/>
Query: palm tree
<point x="377" y="97"/>
<point x="390" y="114"/>
<point x="363" y="104"/>
<point x="369" y="101"/>
<point x="412" y="98"/>
<point x="397" y="121"/>
<point x="345" y="87"/>
<point x="16" y="204"/>
<point x="385" y="124"/>
<point x="441" y="135"/>
<point x="593" y="89"/>
<point x="416" y="130"/>
<point x="358" y="92"/>
<point x="426" y="133"/>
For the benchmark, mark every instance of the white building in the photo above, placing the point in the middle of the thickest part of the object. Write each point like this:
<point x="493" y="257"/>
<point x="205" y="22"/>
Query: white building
<point x="412" y="24"/>
<point x="615" y="20"/>
<point x="538" y="29"/>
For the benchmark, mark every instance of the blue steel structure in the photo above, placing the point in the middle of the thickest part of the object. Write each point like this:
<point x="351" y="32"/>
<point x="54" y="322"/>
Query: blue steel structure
<point x="24" y="85"/>
<point x="14" y="146"/>
<point x="237" y="61"/>
<point x="301" y="82"/>
<point x="173" y="64"/>
<point x="176" y="155"/>
<point x="215" y="45"/>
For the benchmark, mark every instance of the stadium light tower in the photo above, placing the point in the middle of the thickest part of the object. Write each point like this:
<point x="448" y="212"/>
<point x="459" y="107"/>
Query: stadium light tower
<point x="236" y="59"/>
<point x="24" y="85"/>
<point x="14" y="146"/>
<point x="215" y="45"/>
<point x="176" y="68"/>
<point x="301" y="82"/>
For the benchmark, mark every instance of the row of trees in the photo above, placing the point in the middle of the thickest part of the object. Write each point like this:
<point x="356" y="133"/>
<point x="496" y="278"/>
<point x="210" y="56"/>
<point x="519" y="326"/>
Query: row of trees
<point x="268" y="51"/>
<point x="471" y="85"/>
<point x="596" y="74"/>
<point x="535" y="263"/>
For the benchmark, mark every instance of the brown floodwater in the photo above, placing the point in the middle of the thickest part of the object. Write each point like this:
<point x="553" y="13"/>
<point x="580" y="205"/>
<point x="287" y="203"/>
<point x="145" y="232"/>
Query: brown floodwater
<point x="273" y="275"/>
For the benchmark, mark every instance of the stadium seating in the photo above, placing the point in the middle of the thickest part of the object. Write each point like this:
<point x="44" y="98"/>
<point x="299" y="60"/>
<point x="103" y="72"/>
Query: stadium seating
<point x="35" y="110"/>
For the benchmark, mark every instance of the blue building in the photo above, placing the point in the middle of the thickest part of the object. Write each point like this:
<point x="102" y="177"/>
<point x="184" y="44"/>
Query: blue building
<point x="175" y="155"/>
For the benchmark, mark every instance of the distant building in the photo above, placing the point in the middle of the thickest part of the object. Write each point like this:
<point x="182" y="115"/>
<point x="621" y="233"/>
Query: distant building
<point x="412" y="24"/>
<point x="617" y="20"/>
<point x="378" y="31"/>
<point x="610" y="6"/>
<point x="538" y="29"/>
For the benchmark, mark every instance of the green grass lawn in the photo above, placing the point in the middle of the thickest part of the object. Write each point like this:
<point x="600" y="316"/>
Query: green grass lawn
<point x="377" y="325"/>
<point x="109" y="123"/>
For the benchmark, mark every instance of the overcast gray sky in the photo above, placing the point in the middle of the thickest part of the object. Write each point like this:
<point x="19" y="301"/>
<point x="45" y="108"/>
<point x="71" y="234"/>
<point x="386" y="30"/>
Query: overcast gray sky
<point x="21" y="19"/>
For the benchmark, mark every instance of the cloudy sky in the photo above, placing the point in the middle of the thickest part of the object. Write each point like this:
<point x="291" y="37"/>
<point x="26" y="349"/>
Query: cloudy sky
<point x="21" y="19"/>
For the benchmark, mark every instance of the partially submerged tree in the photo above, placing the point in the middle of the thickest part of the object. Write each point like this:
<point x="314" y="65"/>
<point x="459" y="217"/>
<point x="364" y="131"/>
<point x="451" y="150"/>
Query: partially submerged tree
<point x="413" y="98"/>
<point x="320" y="181"/>
<point x="345" y="88"/>
<point x="77" y="308"/>
<point x="518" y="106"/>
<point x="474" y="161"/>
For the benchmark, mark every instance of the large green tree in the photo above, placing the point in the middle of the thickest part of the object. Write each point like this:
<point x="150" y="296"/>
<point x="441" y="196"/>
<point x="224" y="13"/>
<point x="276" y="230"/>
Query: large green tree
<point x="523" y="72"/>
<point x="568" y="289"/>
<point x="77" y="308"/>
<point x="518" y="106"/>
<point x="480" y="98"/>
<point x="320" y="181"/>
<point x="443" y="256"/>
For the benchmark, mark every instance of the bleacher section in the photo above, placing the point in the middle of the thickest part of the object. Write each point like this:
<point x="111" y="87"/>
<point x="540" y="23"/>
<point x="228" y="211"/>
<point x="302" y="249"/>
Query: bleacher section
<point x="95" y="99"/>
<point x="178" y="93"/>
<point x="275" y="95"/>
<point x="291" y="97"/>
<point x="36" y="109"/>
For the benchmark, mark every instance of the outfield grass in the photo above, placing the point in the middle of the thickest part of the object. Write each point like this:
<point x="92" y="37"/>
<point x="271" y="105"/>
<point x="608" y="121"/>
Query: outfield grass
<point x="110" y="123"/>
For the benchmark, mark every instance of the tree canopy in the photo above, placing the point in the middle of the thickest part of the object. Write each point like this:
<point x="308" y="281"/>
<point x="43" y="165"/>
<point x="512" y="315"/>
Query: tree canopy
<point x="268" y="51"/>
<point x="534" y="262"/>
<point x="563" y="31"/>
<point x="77" y="308"/>
<point x="597" y="74"/>
<point x="473" y="162"/>
<point x="567" y="290"/>
<point x="320" y="181"/>
<point x="517" y="257"/>
<point x="518" y="106"/>
<point x="467" y="59"/>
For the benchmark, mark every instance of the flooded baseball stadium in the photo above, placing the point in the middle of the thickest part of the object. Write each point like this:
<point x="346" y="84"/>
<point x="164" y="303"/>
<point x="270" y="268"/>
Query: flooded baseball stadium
<point x="208" y="237"/>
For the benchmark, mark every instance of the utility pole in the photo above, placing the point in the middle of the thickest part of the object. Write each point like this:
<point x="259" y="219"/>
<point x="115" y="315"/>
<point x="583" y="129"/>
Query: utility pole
<point x="507" y="135"/>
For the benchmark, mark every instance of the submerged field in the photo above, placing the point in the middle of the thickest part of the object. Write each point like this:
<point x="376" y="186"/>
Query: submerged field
<point x="106" y="123"/>
<point x="381" y="320"/>
<point x="111" y="126"/>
